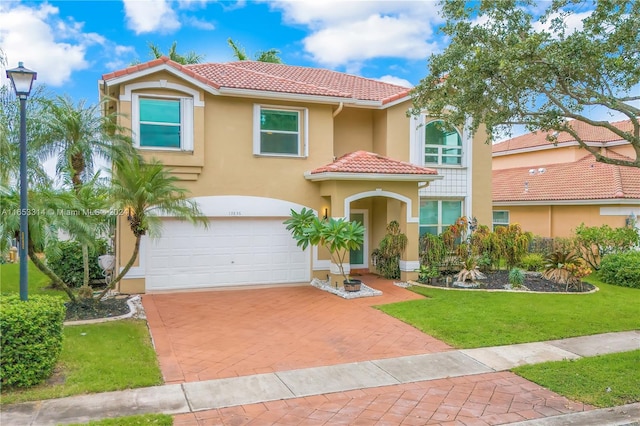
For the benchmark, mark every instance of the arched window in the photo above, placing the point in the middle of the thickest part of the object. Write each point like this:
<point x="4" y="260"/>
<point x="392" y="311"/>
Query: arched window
<point x="442" y="146"/>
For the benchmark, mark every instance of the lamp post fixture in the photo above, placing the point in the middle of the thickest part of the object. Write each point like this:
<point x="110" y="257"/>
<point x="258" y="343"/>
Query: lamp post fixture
<point x="22" y="80"/>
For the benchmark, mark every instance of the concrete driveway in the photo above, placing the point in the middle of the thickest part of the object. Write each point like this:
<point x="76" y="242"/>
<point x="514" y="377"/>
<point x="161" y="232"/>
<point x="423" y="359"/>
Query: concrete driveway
<point x="216" y="334"/>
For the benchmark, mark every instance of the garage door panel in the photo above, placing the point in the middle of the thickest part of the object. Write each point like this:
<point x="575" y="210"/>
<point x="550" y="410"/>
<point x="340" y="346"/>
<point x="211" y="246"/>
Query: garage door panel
<point x="230" y="252"/>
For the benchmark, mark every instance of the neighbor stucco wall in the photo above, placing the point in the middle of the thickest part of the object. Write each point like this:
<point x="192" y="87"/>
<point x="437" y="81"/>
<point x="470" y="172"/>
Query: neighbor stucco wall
<point x="560" y="220"/>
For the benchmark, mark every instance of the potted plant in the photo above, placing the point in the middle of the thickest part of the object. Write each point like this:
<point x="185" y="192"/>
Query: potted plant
<point x="338" y="236"/>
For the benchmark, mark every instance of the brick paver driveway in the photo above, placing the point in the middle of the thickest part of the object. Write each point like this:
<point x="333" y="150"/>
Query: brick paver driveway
<point x="217" y="334"/>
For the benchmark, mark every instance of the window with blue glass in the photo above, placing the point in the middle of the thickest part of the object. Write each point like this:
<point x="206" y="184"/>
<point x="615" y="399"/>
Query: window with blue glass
<point x="436" y="215"/>
<point x="160" y="123"/>
<point x="442" y="146"/>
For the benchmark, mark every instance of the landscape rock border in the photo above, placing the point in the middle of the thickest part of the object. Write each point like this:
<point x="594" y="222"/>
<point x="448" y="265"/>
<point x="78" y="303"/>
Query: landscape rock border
<point x="136" y="311"/>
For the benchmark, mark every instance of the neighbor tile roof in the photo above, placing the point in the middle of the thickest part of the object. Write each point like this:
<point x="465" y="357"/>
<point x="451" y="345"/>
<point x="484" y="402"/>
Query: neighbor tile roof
<point x="585" y="179"/>
<point x="263" y="76"/>
<point x="369" y="162"/>
<point x="587" y="132"/>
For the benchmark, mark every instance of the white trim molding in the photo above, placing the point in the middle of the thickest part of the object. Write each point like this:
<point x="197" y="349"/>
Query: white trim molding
<point x="409" y="265"/>
<point x="162" y="84"/>
<point x="380" y="193"/>
<point x="620" y="211"/>
<point x="567" y="202"/>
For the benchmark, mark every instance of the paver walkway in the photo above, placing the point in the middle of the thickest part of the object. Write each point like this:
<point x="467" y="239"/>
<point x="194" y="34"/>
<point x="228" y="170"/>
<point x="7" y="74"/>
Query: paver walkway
<point x="216" y="334"/>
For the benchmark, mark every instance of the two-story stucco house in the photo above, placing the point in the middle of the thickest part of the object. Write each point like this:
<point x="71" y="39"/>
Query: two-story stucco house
<point x="253" y="140"/>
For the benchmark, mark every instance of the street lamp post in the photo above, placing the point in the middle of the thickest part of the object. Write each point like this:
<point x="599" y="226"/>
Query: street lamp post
<point x="22" y="80"/>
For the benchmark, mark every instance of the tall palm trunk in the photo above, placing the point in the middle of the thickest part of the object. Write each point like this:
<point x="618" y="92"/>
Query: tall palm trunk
<point x="48" y="272"/>
<point x="134" y="256"/>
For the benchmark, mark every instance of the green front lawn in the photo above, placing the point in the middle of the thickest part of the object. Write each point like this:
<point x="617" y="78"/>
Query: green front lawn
<point x="603" y="381"/>
<point x="472" y="319"/>
<point x="98" y="358"/>
<point x="36" y="280"/>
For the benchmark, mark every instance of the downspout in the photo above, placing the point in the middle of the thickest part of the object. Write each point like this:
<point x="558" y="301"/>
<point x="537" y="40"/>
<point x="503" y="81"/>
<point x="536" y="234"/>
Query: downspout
<point x="338" y="110"/>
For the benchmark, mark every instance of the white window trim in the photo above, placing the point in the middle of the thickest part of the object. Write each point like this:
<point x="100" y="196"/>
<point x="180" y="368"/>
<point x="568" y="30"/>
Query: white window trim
<point x="186" y="122"/>
<point x="424" y="145"/>
<point x="303" y="135"/>
<point x="441" y="227"/>
<point x="493" y="221"/>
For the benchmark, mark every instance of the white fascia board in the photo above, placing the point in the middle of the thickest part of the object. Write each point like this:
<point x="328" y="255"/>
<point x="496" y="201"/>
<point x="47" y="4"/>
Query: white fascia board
<point x="162" y="67"/>
<point x="318" y="177"/>
<point x="296" y="97"/>
<point x="631" y="201"/>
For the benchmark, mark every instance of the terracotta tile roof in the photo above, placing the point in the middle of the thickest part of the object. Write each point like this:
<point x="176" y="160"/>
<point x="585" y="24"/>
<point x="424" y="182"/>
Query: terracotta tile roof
<point x="369" y="162"/>
<point x="584" y="179"/>
<point x="154" y="63"/>
<point x="263" y="76"/>
<point x="587" y="133"/>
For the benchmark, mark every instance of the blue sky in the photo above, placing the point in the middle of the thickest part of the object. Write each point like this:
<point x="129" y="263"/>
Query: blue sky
<point x="72" y="43"/>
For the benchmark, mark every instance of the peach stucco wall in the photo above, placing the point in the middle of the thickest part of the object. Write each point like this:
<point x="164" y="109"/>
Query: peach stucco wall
<point x="561" y="220"/>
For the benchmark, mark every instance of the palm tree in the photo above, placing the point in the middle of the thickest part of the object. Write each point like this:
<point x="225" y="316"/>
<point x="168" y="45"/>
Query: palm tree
<point x="145" y="191"/>
<point x="51" y="209"/>
<point x="190" y="58"/>
<point x="270" y="55"/>
<point x="9" y="136"/>
<point x="78" y="136"/>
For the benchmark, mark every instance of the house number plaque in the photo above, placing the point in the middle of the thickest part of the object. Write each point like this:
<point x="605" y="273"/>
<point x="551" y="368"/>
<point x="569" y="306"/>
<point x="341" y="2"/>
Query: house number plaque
<point x="235" y="213"/>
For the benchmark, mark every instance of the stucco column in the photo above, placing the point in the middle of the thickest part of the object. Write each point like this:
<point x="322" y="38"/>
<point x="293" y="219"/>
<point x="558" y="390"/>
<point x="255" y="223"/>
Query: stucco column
<point x="410" y="260"/>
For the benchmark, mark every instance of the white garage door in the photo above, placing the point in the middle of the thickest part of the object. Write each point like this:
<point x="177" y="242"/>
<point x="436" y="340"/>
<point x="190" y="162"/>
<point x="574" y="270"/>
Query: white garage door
<point x="230" y="252"/>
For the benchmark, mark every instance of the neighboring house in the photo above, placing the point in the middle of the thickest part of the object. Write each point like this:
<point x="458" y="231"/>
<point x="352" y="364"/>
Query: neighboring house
<point x="551" y="189"/>
<point x="253" y="140"/>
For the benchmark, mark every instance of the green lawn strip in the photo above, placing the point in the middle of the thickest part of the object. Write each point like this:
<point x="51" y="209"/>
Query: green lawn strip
<point x="37" y="282"/>
<point x="141" y="420"/>
<point x="603" y="381"/>
<point x="98" y="358"/>
<point x="472" y="319"/>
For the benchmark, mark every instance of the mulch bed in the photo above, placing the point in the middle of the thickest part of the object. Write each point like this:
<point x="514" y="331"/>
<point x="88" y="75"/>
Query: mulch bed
<point x="92" y="309"/>
<point x="499" y="280"/>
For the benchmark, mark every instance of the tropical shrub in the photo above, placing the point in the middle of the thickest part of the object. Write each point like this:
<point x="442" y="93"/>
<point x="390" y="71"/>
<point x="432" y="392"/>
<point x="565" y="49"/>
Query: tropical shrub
<point x="621" y="269"/>
<point x="31" y="339"/>
<point x="387" y="256"/>
<point x="65" y="260"/>
<point x="336" y="235"/>
<point x="532" y="262"/>
<point x="513" y="243"/>
<point x="433" y="251"/>
<point x="596" y="242"/>
<point x="556" y="266"/>
<point x="516" y="277"/>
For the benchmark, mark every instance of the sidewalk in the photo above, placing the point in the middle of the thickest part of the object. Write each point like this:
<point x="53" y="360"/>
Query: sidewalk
<point x="295" y="392"/>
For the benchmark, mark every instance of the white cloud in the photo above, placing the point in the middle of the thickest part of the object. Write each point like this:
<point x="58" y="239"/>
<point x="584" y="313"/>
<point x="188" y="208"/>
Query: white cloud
<point x="348" y="33"/>
<point x="395" y="80"/>
<point x="198" y="23"/>
<point x="53" y="47"/>
<point x="41" y="47"/>
<point x="573" y="22"/>
<point x="150" y="16"/>
<point x="377" y="36"/>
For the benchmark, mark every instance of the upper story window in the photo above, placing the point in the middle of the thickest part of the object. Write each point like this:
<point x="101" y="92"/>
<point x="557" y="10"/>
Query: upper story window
<point x="441" y="146"/>
<point x="279" y="131"/>
<point x="162" y="122"/>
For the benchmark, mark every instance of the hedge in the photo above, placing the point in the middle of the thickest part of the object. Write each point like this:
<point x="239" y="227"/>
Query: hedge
<point x="621" y="269"/>
<point x="31" y="339"/>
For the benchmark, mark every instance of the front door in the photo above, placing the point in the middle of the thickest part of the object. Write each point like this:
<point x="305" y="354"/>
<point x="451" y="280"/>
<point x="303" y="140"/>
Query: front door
<point x="358" y="259"/>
